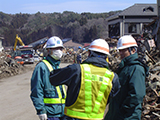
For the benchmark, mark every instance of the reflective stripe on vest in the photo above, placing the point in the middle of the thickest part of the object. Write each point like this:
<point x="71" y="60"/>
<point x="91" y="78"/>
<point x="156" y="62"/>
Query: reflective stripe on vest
<point x="96" y="84"/>
<point x="58" y="100"/>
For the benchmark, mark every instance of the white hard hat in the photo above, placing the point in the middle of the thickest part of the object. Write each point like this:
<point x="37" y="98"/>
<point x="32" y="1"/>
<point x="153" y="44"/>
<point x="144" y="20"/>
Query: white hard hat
<point x="54" y="42"/>
<point x="126" y="41"/>
<point x="99" y="45"/>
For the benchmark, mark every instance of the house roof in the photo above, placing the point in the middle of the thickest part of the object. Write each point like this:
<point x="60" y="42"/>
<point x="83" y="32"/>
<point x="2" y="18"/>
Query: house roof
<point x="137" y="10"/>
<point x="86" y="44"/>
<point x="141" y="10"/>
<point x="70" y="43"/>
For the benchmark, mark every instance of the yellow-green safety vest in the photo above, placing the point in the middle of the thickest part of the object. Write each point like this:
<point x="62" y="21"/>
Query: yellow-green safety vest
<point x="96" y="85"/>
<point x="58" y="100"/>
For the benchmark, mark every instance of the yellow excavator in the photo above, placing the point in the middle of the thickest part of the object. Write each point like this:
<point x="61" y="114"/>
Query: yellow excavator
<point x="16" y="54"/>
<point x="18" y="39"/>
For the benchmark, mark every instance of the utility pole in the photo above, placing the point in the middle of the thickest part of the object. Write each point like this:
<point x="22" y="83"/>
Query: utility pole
<point x="158" y="32"/>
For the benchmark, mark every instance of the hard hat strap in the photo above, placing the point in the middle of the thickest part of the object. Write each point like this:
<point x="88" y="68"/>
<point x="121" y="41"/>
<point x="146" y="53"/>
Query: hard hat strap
<point x="130" y="50"/>
<point x="135" y="49"/>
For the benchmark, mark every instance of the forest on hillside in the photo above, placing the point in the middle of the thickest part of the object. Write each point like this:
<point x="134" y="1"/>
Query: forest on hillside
<point x="83" y="27"/>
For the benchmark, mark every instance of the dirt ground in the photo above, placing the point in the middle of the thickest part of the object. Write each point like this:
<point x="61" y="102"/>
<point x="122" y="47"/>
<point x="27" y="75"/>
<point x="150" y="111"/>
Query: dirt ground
<point x="14" y="100"/>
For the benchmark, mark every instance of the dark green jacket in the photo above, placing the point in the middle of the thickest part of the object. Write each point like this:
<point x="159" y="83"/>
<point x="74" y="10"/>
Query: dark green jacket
<point x="42" y="88"/>
<point x="127" y="104"/>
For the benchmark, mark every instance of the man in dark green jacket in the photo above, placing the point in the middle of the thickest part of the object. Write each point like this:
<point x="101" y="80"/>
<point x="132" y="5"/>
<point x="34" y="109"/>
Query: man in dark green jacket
<point x="127" y="105"/>
<point x="48" y="100"/>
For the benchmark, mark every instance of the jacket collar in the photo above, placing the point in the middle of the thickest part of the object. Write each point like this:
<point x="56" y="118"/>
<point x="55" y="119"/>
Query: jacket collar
<point x="52" y="61"/>
<point x="128" y="60"/>
<point x="100" y="62"/>
<point x="131" y="60"/>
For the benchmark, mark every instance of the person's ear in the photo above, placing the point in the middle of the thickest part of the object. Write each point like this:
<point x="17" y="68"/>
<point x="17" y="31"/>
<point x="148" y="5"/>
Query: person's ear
<point x="133" y="50"/>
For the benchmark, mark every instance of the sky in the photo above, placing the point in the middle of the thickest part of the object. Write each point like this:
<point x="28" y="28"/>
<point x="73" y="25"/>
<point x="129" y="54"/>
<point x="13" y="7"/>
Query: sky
<point x="77" y="6"/>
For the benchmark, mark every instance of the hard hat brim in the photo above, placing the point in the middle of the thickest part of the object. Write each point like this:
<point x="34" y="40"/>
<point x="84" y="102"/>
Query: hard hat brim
<point x="100" y="51"/>
<point x="124" y="47"/>
<point x="55" y="46"/>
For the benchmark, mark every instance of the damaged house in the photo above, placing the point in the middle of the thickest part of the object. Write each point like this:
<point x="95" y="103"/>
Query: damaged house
<point x="131" y="20"/>
<point x="1" y="47"/>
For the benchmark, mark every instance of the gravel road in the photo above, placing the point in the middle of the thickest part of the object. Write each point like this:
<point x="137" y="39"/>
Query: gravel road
<point x="14" y="97"/>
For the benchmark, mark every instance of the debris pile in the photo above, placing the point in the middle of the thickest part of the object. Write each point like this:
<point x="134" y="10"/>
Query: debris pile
<point x="151" y="103"/>
<point x="70" y="55"/>
<point x="9" y="66"/>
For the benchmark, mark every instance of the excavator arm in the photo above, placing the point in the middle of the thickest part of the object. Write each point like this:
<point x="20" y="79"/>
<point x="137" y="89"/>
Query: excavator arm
<point x="18" y="39"/>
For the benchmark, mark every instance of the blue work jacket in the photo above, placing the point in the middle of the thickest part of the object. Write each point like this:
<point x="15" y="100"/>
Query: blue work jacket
<point x="41" y="88"/>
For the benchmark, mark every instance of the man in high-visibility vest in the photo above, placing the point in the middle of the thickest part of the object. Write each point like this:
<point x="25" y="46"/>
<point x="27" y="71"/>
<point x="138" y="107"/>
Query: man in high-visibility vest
<point x="89" y="84"/>
<point x="48" y="100"/>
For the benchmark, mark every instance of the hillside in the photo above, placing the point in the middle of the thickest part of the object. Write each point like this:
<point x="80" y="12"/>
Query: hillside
<point x="82" y="27"/>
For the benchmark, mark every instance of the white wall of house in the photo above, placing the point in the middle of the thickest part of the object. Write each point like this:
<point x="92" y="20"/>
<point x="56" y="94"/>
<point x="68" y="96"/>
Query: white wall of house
<point x="1" y="47"/>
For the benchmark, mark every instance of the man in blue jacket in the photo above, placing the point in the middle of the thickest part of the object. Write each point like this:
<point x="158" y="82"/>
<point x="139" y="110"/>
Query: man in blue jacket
<point x="127" y="105"/>
<point x="89" y="84"/>
<point x="48" y="100"/>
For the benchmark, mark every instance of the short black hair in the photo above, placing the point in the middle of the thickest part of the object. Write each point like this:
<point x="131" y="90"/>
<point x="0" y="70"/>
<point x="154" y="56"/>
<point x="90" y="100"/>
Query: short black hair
<point x="97" y="54"/>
